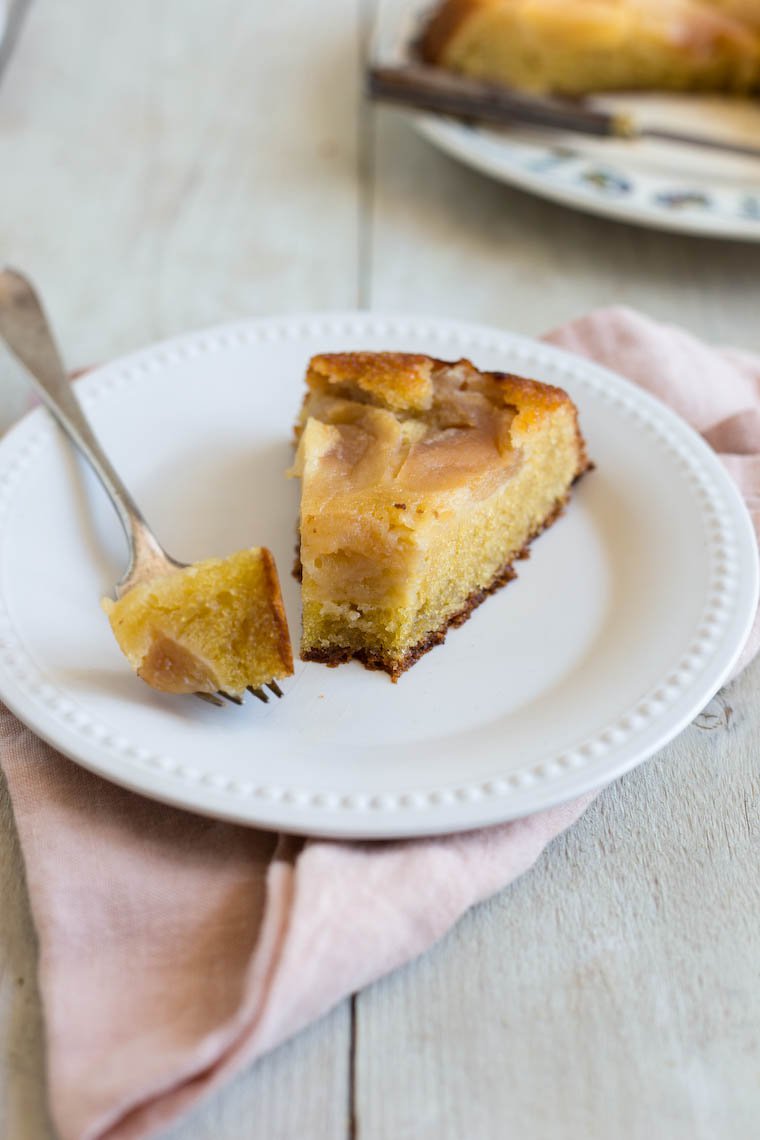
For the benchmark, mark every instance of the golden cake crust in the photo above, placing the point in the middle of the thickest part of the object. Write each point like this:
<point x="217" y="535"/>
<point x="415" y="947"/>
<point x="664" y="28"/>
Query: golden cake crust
<point x="411" y="516"/>
<point x="402" y="381"/>
<point x="668" y="44"/>
<point x="274" y="595"/>
<point x="442" y="27"/>
<point x="396" y="381"/>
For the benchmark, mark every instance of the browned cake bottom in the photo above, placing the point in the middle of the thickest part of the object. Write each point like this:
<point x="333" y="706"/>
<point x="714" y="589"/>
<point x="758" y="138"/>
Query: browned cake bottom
<point x="371" y="659"/>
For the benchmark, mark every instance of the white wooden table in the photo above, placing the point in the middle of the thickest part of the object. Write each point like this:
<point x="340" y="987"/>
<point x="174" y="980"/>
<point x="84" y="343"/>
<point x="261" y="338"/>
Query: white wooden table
<point x="166" y="164"/>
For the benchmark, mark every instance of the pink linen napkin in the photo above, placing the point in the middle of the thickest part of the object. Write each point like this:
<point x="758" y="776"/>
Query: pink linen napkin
<point x="174" y="950"/>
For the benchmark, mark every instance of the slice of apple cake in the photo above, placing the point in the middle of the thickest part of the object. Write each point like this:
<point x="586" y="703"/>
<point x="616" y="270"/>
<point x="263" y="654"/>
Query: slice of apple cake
<point x="421" y="483"/>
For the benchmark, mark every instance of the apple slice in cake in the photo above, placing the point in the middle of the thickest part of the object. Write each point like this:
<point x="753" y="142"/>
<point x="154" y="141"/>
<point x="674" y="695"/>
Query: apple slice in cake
<point x="421" y="483"/>
<point x="215" y="626"/>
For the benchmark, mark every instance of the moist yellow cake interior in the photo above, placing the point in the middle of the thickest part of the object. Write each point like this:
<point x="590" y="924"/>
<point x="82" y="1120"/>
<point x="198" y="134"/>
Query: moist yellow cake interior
<point x="421" y="482"/>
<point x="218" y="624"/>
<point x="574" y="47"/>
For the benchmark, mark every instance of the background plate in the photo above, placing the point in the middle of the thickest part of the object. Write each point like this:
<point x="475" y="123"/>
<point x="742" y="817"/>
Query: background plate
<point x="655" y="184"/>
<point x="625" y="621"/>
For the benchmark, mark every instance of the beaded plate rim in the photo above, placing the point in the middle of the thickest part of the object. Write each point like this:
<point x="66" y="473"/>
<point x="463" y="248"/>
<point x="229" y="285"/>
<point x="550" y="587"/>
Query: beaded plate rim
<point x="731" y="601"/>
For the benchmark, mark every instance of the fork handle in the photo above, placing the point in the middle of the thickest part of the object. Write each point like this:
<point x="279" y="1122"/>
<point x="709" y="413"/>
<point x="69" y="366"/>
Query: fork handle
<point x="26" y="331"/>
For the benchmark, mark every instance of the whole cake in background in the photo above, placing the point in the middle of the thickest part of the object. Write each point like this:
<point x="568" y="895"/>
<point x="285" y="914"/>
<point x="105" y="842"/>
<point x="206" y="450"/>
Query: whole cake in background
<point x="575" y="47"/>
<point x="421" y="483"/>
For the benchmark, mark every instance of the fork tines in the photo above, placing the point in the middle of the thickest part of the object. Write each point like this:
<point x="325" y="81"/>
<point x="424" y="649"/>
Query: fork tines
<point x="210" y="699"/>
<point x="273" y="688"/>
<point x="219" y="697"/>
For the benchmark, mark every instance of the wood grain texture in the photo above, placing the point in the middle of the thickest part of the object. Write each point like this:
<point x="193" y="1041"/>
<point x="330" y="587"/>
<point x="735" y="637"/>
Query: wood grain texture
<point x="23" y="1112"/>
<point x="168" y="164"/>
<point x="613" y="991"/>
<point x="12" y="13"/>
<point x="448" y="241"/>
<point x="158" y="175"/>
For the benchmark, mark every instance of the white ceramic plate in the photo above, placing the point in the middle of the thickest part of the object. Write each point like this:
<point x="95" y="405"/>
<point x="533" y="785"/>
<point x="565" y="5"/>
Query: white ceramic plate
<point x="659" y="185"/>
<point x="624" y="622"/>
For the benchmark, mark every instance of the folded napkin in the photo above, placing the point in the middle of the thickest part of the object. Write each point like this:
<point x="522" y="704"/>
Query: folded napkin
<point x="174" y="950"/>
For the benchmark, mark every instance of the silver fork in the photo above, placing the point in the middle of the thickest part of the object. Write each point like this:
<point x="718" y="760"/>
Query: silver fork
<point x="25" y="329"/>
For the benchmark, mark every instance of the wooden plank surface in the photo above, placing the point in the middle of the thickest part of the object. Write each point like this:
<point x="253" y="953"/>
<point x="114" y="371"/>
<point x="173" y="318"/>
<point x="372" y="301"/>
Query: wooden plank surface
<point x="449" y="241"/>
<point x="168" y="164"/>
<point x="160" y="174"/>
<point x="614" y="991"/>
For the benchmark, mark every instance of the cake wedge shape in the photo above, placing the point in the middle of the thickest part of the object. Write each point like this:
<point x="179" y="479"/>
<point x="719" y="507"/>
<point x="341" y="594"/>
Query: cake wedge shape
<point x="422" y="482"/>
<point x="218" y="625"/>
